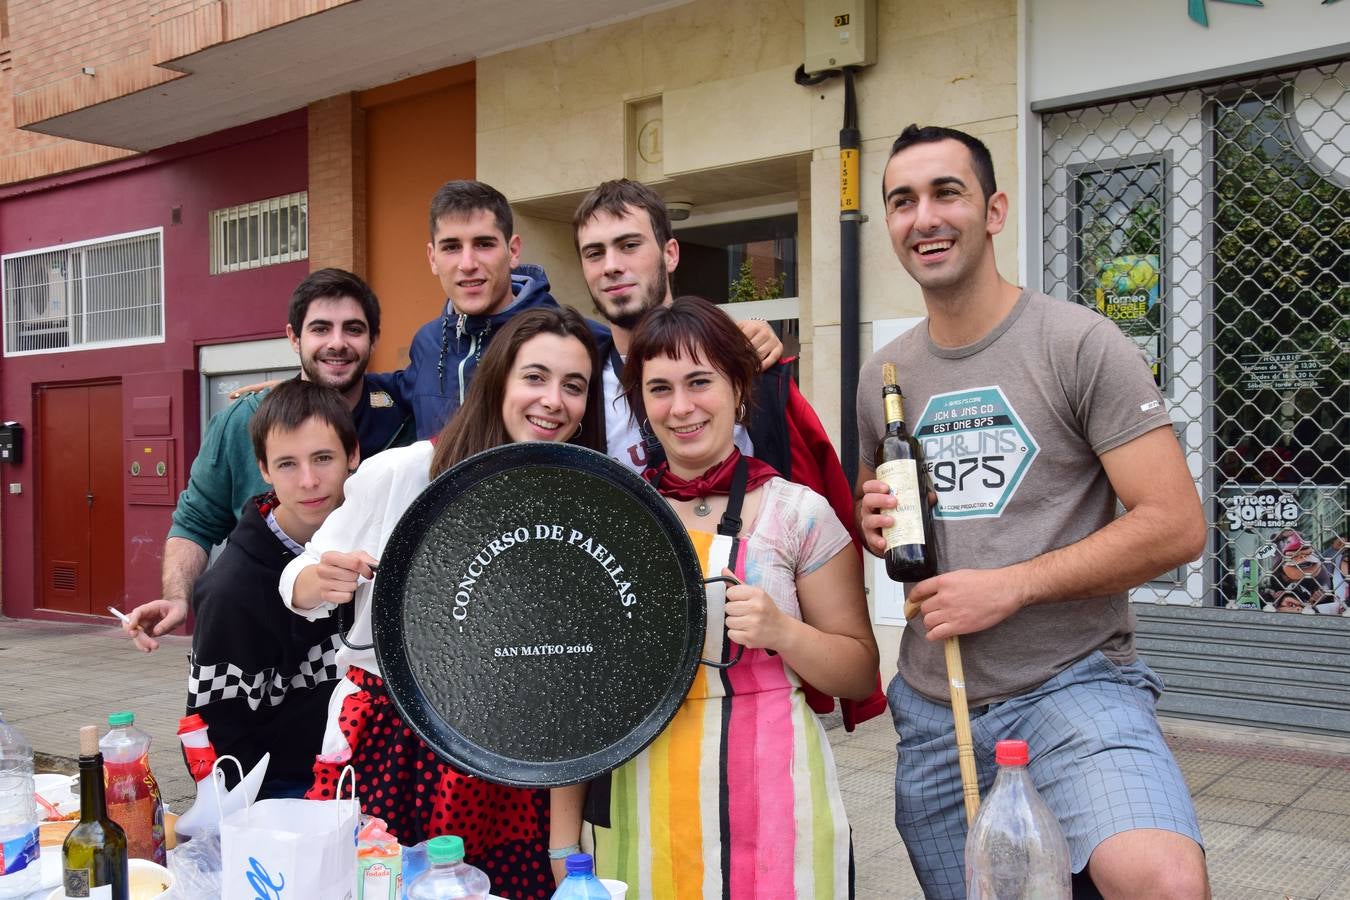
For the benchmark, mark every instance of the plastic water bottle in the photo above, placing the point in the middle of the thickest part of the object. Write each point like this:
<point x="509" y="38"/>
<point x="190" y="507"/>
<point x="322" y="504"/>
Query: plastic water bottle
<point x="19" y="869"/>
<point x="133" y="794"/>
<point x="581" y="883"/>
<point x="1016" y="849"/>
<point x="414" y="863"/>
<point x="448" y="876"/>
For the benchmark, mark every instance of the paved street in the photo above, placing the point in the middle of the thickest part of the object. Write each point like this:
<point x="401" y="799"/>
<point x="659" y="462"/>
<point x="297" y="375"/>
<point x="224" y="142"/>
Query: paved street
<point x="1274" y="806"/>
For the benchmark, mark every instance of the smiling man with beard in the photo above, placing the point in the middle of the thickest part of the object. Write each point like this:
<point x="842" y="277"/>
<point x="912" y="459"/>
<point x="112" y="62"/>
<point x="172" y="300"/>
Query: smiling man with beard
<point x="628" y="255"/>
<point x="332" y="323"/>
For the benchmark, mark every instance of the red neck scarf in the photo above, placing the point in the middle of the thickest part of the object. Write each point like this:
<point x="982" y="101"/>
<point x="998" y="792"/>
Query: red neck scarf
<point x="716" y="480"/>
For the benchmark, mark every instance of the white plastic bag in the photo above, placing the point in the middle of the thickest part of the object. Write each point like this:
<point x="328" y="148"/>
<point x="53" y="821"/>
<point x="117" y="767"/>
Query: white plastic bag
<point x="214" y="802"/>
<point x="283" y="848"/>
<point x="196" y="868"/>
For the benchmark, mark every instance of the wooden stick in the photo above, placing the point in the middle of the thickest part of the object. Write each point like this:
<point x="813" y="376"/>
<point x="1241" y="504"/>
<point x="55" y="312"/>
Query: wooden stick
<point x="965" y="745"/>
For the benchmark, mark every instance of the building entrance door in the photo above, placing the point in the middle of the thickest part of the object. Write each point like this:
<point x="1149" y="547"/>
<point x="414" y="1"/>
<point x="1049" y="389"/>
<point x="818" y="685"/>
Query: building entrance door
<point x="80" y="497"/>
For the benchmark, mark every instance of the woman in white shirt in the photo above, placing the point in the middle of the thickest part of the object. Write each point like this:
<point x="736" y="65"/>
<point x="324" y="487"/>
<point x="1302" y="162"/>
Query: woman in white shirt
<point x="539" y="380"/>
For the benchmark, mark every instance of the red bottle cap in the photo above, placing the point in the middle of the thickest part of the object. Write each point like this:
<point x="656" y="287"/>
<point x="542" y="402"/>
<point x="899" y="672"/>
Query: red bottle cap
<point x="1011" y="753"/>
<point x="193" y="722"/>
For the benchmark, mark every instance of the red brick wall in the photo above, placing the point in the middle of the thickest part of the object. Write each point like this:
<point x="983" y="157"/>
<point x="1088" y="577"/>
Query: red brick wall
<point x="337" y="184"/>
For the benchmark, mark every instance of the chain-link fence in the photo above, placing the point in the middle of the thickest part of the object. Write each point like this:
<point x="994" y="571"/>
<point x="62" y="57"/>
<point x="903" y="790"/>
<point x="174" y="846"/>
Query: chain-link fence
<point x="1213" y="225"/>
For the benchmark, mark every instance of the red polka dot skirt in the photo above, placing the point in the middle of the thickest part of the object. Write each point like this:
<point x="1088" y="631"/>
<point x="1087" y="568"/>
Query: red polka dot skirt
<point x="399" y="779"/>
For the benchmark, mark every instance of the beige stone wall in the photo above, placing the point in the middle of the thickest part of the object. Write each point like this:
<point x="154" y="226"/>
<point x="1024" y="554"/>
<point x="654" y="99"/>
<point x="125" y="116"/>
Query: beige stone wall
<point x="551" y="121"/>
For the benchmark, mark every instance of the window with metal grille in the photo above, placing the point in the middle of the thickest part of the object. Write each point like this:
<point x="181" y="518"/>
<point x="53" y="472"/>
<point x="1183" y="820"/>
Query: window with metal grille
<point x="103" y="293"/>
<point x="259" y="234"/>
<point x="1221" y="216"/>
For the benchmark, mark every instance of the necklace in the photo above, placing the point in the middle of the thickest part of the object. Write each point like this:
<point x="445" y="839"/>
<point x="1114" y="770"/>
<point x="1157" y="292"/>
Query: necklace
<point x="702" y="508"/>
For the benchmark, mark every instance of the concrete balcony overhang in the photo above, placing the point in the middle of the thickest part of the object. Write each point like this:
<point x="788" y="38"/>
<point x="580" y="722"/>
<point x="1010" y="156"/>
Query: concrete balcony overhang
<point x="351" y="47"/>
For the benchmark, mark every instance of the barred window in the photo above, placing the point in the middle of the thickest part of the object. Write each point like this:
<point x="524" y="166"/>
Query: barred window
<point x="103" y="293"/>
<point x="1212" y="224"/>
<point x="262" y="233"/>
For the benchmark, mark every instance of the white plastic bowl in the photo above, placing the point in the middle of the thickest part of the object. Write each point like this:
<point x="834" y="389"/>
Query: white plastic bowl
<point x="149" y="881"/>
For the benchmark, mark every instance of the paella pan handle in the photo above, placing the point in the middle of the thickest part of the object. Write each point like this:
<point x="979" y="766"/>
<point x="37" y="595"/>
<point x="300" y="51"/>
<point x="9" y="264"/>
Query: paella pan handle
<point x="729" y="581"/>
<point x="346" y="616"/>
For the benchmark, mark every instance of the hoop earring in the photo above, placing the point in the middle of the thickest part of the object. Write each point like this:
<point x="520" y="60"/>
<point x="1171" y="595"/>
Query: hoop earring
<point x="578" y="431"/>
<point x="741" y="412"/>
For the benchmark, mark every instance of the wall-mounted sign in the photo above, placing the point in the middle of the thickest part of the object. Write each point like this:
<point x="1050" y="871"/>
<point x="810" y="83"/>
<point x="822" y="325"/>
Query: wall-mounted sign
<point x="1266" y="509"/>
<point x="1281" y="371"/>
<point x="1196" y="8"/>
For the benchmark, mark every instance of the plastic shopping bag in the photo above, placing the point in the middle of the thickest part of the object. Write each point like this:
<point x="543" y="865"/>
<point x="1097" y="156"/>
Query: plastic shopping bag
<point x="281" y="849"/>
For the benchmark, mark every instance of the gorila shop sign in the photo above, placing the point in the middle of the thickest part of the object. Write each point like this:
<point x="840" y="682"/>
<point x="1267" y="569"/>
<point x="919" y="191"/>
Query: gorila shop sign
<point x="522" y="535"/>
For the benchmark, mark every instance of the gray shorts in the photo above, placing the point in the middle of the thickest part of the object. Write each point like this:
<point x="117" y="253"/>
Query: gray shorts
<point x="1097" y="757"/>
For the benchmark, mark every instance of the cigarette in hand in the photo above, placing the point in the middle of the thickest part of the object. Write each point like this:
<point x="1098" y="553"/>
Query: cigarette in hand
<point x="126" y="620"/>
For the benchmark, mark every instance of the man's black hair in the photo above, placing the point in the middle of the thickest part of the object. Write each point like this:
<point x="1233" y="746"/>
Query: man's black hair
<point x="980" y="160"/>
<point x="333" y="284"/>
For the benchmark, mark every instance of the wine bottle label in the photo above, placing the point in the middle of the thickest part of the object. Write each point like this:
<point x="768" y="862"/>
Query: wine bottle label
<point x="903" y="477"/>
<point x="76" y="884"/>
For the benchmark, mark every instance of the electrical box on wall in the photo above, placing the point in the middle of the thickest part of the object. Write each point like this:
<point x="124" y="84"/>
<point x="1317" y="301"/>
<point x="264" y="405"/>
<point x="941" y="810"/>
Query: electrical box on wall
<point x="11" y="443"/>
<point x="840" y="33"/>
<point x="150" y="472"/>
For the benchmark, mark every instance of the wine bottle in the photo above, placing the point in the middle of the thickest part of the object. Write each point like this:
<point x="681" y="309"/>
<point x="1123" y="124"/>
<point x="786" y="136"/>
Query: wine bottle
<point x="911" y="550"/>
<point x="94" y="856"/>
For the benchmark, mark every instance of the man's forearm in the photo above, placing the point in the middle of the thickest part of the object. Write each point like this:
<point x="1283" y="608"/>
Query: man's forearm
<point x="1129" y="551"/>
<point x="184" y="562"/>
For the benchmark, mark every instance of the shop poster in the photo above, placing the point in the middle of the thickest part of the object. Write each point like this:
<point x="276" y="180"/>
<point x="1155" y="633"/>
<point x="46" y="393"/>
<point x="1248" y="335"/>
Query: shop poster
<point x="1284" y="547"/>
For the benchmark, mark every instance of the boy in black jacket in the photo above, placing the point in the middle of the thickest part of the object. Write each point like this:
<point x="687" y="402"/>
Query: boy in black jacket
<point x="259" y="675"/>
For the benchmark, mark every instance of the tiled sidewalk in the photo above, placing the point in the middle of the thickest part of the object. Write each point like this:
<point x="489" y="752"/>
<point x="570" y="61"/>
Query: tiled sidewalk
<point x="1274" y="806"/>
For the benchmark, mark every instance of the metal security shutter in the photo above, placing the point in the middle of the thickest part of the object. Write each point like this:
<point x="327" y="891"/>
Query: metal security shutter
<point x="1237" y="666"/>
<point x="1213" y="225"/>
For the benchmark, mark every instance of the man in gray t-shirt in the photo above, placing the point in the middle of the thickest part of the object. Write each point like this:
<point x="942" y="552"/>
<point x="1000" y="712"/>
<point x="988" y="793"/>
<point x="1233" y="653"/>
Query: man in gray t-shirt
<point x="1035" y="417"/>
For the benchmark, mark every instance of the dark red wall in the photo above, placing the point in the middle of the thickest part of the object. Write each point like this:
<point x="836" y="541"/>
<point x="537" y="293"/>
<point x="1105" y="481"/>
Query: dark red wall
<point x="260" y="160"/>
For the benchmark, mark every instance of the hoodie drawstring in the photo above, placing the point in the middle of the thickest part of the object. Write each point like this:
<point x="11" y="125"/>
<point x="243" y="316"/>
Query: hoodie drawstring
<point x="445" y="345"/>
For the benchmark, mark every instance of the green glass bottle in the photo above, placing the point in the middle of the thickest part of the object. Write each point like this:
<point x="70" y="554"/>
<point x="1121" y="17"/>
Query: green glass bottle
<point x="94" y="856"/>
<point x="911" y="545"/>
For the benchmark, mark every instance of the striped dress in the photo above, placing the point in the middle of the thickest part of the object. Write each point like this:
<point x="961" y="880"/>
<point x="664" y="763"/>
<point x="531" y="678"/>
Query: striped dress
<point x="738" y="798"/>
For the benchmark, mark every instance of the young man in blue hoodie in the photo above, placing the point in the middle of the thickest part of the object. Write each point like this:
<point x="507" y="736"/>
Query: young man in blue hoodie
<point x="475" y="254"/>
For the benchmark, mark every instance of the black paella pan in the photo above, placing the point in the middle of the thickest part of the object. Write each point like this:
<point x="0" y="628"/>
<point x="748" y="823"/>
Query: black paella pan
<point x="539" y="614"/>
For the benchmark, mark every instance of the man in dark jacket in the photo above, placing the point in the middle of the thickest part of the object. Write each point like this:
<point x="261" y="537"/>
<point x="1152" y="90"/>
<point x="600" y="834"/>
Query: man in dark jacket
<point x="475" y="254"/>
<point x="260" y="676"/>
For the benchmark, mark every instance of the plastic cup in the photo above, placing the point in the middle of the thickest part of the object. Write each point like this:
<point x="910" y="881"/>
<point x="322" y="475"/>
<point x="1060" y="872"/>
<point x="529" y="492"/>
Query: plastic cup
<point x="618" y="890"/>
